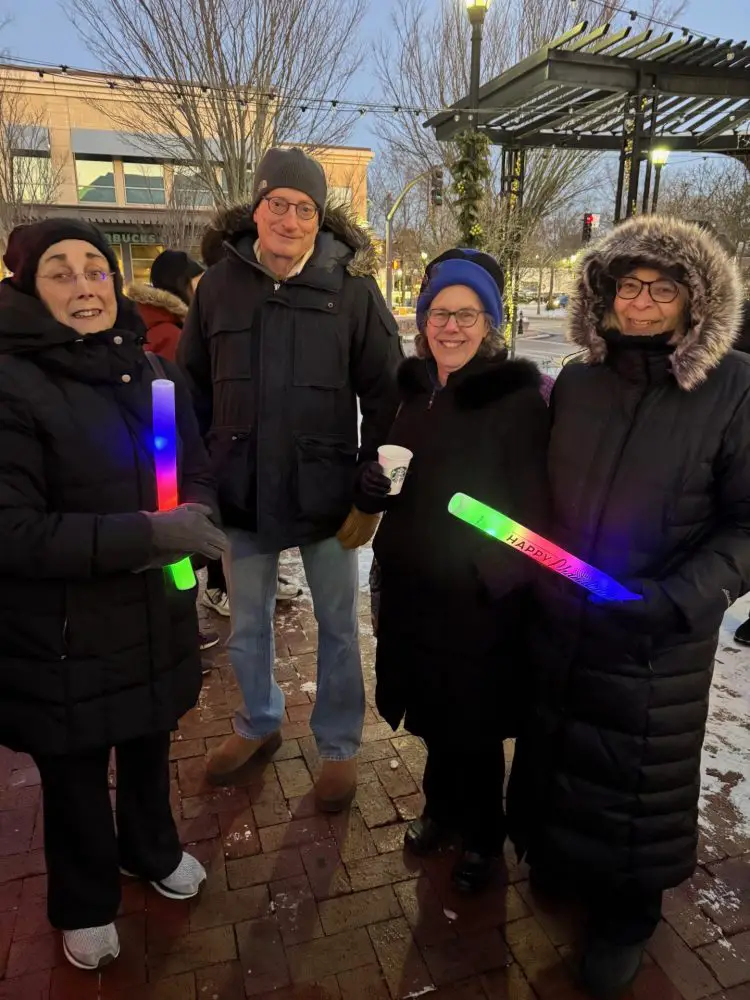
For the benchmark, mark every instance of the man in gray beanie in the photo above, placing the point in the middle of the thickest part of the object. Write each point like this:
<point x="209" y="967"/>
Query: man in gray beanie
<point x="286" y="335"/>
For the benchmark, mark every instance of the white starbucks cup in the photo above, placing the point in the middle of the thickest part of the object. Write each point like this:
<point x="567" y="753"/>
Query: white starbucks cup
<point x="394" y="461"/>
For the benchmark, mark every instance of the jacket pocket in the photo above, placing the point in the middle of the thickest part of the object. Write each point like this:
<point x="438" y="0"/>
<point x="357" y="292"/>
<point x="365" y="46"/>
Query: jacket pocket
<point x="231" y="354"/>
<point x="233" y="463"/>
<point x="326" y="468"/>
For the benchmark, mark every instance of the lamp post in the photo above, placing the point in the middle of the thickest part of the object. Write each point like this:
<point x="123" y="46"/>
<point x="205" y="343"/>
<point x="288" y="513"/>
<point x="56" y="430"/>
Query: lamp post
<point x="477" y="9"/>
<point x="659" y="159"/>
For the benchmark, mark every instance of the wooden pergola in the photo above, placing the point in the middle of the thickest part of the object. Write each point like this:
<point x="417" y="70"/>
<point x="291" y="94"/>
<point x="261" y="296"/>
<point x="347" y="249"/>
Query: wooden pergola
<point x="609" y="89"/>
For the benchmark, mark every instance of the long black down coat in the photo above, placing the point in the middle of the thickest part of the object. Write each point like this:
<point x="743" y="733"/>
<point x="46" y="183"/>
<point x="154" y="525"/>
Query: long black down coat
<point x="650" y="479"/>
<point x="276" y="370"/>
<point x="452" y="599"/>
<point x="91" y="653"/>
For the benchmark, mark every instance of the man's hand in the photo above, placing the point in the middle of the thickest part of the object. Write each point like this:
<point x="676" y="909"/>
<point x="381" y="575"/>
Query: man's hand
<point x="357" y="529"/>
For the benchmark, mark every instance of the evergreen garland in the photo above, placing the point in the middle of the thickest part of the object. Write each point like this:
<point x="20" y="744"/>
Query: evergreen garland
<point x="471" y="171"/>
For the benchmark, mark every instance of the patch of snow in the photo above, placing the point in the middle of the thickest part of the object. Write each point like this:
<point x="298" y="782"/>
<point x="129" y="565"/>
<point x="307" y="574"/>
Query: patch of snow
<point x="726" y="749"/>
<point x="309" y="687"/>
<point x="420" y="993"/>
<point x="719" y="894"/>
<point x="395" y="765"/>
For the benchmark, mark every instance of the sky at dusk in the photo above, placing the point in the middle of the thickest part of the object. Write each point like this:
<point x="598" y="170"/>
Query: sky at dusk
<point x="39" y="30"/>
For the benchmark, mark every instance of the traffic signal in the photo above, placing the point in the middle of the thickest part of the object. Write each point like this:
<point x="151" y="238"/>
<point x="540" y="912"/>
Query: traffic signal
<point x="436" y="187"/>
<point x="588" y="225"/>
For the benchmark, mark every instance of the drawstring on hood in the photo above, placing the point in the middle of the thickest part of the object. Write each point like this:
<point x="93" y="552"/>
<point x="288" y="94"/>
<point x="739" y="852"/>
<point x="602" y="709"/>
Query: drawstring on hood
<point x="672" y="246"/>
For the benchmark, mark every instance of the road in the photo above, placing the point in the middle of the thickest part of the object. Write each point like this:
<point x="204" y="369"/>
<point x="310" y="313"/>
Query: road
<point x="544" y="342"/>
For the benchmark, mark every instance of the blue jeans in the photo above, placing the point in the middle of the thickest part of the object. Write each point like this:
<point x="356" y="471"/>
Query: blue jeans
<point x="332" y="575"/>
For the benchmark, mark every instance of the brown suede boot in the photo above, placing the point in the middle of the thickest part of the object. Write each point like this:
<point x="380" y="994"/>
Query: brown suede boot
<point x="335" y="787"/>
<point x="230" y="762"/>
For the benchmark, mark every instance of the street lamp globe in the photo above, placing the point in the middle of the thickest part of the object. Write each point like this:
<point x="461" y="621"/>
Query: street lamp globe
<point x="659" y="156"/>
<point x="477" y="10"/>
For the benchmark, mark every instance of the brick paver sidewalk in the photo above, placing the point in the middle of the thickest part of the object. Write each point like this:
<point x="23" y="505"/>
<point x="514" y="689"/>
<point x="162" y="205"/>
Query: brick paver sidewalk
<point x="302" y="907"/>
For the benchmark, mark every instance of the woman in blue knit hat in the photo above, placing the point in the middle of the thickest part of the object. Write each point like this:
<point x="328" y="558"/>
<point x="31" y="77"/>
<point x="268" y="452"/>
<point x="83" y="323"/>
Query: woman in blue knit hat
<point x="453" y="601"/>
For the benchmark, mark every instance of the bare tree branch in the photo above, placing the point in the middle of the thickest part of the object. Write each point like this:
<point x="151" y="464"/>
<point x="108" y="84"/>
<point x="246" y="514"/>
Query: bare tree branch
<point x="28" y="175"/>
<point x="217" y="81"/>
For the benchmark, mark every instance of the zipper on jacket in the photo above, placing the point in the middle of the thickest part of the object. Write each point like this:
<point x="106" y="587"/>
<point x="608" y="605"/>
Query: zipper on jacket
<point x="432" y="399"/>
<point x="65" y="638"/>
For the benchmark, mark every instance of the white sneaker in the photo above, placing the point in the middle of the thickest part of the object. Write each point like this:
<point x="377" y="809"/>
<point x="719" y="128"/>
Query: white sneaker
<point x="185" y="881"/>
<point x="91" y="947"/>
<point x="287" y="589"/>
<point x="217" y="601"/>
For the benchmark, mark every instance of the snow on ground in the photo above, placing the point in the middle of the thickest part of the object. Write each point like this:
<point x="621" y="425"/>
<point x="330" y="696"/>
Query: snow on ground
<point x="726" y="751"/>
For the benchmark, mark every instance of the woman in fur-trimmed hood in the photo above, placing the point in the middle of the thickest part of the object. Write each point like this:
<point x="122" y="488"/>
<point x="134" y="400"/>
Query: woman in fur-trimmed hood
<point x="650" y="483"/>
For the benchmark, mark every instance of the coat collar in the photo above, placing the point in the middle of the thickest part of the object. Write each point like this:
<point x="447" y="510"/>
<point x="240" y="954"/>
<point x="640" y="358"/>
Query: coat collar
<point x="478" y="384"/>
<point x="341" y="239"/>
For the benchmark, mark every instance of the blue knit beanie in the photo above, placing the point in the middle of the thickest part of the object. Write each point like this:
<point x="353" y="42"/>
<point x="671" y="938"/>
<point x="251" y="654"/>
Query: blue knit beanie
<point x="463" y="266"/>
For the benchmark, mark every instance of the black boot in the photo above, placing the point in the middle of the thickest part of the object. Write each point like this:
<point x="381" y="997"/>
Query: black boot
<point x="424" y="835"/>
<point x="742" y="635"/>
<point x="472" y="871"/>
<point x="608" y="970"/>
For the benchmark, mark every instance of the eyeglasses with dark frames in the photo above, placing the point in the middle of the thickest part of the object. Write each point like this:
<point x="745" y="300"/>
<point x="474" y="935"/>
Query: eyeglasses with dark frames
<point x="662" y="290"/>
<point x="280" y="206"/>
<point x="465" y="318"/>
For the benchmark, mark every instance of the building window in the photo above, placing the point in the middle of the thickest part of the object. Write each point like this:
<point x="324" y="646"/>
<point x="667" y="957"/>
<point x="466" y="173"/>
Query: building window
<point x="142" y="257"/>
<point x="32" y="179"/>
<point x="189" y="190"/>
<point x="340" y="197"/>
<point x="144" y="183"/>
<point x="96" y="181"/>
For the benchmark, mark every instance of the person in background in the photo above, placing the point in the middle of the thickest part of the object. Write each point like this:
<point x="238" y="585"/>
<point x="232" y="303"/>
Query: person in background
<point x="163" y="306"/>
<point x="453" y="602"/>
<point x="287" y="333"/>
<point x="164" y="303"/>
<point x="98" y="649"/>
<point x="650" y="483"/>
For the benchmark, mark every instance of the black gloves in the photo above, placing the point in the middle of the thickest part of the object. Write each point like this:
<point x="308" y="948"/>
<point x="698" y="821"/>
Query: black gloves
<point x="184" y="531"/>
<point x="655" y="614"/>
<point x="371" y="489"/>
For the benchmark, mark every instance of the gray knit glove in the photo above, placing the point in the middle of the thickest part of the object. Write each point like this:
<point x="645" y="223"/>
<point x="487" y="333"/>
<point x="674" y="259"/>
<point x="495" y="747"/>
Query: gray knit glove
<point x="186" y="529"/>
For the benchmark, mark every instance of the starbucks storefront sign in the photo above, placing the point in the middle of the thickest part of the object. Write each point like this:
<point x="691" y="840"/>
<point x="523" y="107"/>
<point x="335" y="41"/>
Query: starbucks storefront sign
<point x="147" y="239"/>
<point x="135" y="252"/>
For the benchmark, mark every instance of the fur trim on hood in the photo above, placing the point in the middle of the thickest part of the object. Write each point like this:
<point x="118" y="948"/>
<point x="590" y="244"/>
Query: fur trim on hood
<point x="711" y="278"/>
<point x="488" y="380"/>
<point x="229" y="223"/>
<point x="146" y="295"/>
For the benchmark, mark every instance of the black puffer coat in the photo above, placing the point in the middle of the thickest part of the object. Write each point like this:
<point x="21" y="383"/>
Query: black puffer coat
<point x="276" y="370"/>
<point x="91" y="653"/>
<point x="452" y="599"/>
<point x="650" y="480"/>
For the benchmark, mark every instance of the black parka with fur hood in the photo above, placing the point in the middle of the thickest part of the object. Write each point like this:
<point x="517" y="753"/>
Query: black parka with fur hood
<point x="276" y="370"/>
<point x="650" y="480"/>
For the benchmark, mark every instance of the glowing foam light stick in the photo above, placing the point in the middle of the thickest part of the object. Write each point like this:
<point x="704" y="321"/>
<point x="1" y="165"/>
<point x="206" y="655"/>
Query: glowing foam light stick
<point x="165" y="460"/>
<point x="493" y="523"/>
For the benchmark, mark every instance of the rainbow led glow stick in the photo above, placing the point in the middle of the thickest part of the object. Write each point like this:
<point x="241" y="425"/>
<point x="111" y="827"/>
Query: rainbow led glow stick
<point x="165" y="460"/>
<point x="493" y="523"/>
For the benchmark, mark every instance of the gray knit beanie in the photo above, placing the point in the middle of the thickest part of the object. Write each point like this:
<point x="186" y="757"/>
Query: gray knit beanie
<point x="290" y="168"/>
